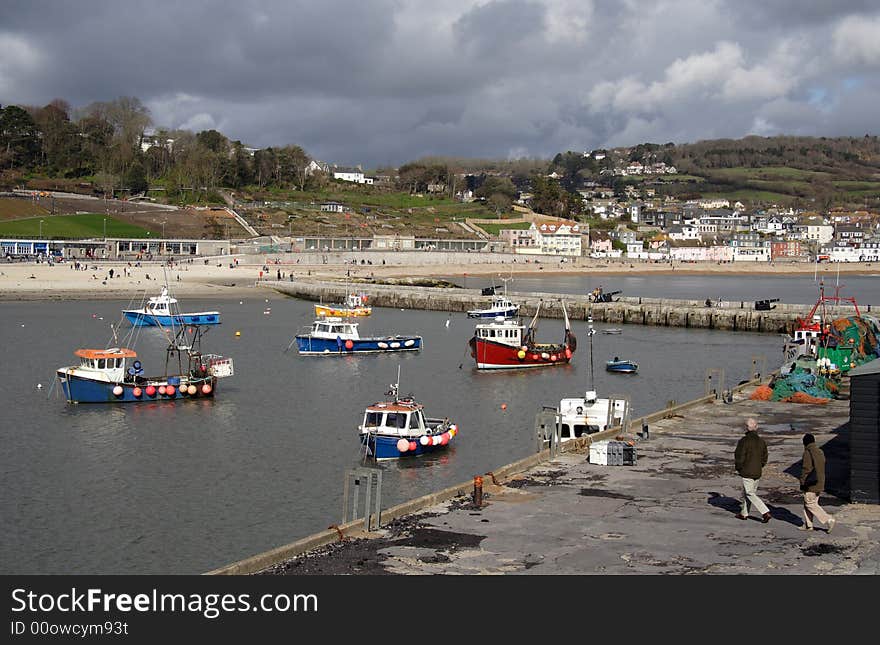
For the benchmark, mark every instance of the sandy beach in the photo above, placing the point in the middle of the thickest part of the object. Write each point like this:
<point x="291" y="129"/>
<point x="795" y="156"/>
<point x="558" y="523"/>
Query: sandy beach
<point x="41" y="281"/>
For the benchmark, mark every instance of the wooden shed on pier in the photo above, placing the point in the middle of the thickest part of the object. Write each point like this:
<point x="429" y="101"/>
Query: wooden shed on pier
<point x="864" y="427"/>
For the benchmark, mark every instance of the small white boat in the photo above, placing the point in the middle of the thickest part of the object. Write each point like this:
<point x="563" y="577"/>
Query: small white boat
<point x="163" y="311"/>
<point x="501" y="306"/>
<point x="612" y="330"/>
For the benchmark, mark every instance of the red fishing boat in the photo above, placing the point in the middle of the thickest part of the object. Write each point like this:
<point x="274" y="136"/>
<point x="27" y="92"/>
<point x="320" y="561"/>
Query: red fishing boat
<point x="508" y="344"/>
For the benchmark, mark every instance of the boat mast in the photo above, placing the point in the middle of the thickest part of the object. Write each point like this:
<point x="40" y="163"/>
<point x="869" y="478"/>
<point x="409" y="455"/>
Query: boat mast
<point x="592" y="374"/>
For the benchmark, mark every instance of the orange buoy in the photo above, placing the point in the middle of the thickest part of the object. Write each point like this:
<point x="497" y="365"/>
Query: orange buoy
<point x="137" y="392"/>
<point x="206" y="389"/>
<point x="503" y="406"/>
<point x="349" y="344"/>
<point x="170" y="390"/>
<point x="151" y="391"/>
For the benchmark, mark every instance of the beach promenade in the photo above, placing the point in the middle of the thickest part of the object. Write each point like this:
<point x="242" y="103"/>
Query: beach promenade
<point x="223" y="277"/>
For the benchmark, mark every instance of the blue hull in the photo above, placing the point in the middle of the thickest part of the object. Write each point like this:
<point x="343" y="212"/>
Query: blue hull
<point x="507" y="313"/>
<point x="81" y="390"/>
<point x="138" y="319"/>
<point x="623" y="368"/>
<point x="324" y="346"/>
<point x="385" y="447"/>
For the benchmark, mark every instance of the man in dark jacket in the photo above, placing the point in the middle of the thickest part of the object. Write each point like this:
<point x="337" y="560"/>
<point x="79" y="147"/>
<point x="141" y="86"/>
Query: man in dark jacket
<point x="750" y="458"/>
<point x="812" y="484"/>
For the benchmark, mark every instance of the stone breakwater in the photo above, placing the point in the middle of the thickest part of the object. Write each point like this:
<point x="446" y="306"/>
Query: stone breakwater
<point x="730" y="316"/>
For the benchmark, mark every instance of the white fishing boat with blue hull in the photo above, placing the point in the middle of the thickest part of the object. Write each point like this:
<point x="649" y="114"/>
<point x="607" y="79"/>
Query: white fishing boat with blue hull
<point x="162" y="311"/>
<point x="501" y="306"/>
<point x="337" y="337"/>
<point x="398" y="428"/>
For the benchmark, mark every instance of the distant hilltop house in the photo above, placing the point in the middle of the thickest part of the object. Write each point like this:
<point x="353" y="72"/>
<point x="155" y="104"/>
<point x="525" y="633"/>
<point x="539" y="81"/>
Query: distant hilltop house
<point x="333" y="207"/>
<point x="316" y="166"/>
<point x="151" y="140"/>
<point x="355" y="175"/>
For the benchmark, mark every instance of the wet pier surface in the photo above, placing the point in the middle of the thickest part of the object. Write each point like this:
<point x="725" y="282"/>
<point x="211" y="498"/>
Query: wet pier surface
<point x="674" y="512"/>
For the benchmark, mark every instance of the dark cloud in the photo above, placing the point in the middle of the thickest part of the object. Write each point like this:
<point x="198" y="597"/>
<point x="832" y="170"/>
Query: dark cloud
<point x="386" y="81"/>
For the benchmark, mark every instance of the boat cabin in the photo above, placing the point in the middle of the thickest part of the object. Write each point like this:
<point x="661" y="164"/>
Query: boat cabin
<point x="354" y="301"/>
<point x="334" y="327"/>
<point x="161" y="304"/>
<point x="501" y="330"/>
<point x="582" y="416"/>
<point x="110" y="362"/>
<point x="399" y="418"/>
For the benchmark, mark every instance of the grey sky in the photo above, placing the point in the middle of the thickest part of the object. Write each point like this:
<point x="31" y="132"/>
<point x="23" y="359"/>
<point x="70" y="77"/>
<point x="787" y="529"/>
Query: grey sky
<point x="377" y="82"/>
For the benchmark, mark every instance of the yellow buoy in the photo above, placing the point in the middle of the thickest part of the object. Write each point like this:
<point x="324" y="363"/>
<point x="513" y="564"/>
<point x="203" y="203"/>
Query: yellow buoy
<point x="238" y="333"/>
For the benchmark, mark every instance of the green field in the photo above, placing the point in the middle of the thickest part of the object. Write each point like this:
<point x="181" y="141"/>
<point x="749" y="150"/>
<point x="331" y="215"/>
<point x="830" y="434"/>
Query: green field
<point x="70" y="226"/>
<point x="770" y="173"/>
<point x="751" y="196"/>
<point x="494" y="229"/>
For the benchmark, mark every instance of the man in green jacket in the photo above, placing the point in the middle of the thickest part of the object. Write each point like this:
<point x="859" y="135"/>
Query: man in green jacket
<point x="750" y="458"/>
<point x="812" y="484"/>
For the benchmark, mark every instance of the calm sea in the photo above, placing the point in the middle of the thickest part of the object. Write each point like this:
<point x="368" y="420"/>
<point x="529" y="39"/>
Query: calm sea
<point x="798" y="289"/>
<point x="193" y="485"/>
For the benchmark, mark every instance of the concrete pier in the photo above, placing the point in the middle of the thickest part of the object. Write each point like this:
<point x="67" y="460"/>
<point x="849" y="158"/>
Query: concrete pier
<point x="673" y="512"/>
<point x="731" y="316"/>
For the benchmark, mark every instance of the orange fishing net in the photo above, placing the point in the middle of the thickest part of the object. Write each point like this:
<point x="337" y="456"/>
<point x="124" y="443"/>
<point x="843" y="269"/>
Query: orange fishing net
<point x="803" y="397"/>
<point x="762" y="393"/>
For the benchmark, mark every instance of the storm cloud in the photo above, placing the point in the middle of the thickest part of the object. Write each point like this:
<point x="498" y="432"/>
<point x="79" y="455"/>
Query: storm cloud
<point x="382" y="82"/>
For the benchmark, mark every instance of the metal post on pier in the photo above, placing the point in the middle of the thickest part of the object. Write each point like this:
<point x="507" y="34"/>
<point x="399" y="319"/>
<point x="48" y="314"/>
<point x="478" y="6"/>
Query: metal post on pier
<point x="355" y="479"/>
<point x="547" y="430"/>
<point x="714" y="381"/>
<point x="756" y="373"/>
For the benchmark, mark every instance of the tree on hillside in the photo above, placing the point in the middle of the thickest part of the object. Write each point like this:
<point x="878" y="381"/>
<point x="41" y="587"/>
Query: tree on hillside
<point x="213" y="141"/>
<point x="19" y="143"/>
<point x="136" y="178"/>
<point x="547" y="196"/>
<point x="59" y="138"/>
<point x="242" y="166"/>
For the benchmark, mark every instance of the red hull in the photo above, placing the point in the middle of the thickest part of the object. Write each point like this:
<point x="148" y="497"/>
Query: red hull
<point x="493" y="355"/>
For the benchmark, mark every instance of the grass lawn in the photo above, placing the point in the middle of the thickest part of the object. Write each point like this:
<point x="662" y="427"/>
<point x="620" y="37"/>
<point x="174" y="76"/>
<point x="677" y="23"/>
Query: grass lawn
<point x="70" y="226"/>
<point x="493" y="229"/>
<point x="752" y="196"/>
<point x="15" y="208"/>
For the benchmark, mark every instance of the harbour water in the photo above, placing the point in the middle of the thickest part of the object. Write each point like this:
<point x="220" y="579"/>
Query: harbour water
<point x="790" y="289"/>
<point x="191" y="486"/>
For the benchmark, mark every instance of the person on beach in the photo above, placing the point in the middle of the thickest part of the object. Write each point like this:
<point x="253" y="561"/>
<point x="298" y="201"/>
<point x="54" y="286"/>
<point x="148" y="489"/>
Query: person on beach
<point x="812" y="484"/>
<point x="750" y="458"/>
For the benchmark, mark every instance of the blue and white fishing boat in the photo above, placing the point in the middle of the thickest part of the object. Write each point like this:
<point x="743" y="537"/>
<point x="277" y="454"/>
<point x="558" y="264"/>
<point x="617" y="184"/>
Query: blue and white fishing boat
<point x="162" y="311"/>
<point x="621" y="366"/>
<point x="105" y="376"/>
<point x="501" y="306"/>
<point x="333" y="336"/>
<point x="398" y="428"/>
